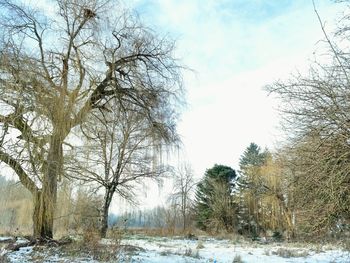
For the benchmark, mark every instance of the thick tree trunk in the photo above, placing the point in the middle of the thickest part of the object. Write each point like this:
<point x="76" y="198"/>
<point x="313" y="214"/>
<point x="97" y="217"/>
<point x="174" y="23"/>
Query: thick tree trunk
<point x="48" y="203"/>
<point x="104" y="212"/>
<point x="45" y="200"/>
<point x="43" y="214"/>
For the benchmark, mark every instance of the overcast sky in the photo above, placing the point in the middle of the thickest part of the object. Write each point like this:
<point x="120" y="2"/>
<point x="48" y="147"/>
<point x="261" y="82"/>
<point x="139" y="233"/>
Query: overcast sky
<point x="235" y="48"/>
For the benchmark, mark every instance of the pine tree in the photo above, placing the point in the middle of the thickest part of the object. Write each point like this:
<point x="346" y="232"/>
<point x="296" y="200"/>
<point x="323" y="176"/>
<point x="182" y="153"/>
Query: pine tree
<point x="214" y="207"/>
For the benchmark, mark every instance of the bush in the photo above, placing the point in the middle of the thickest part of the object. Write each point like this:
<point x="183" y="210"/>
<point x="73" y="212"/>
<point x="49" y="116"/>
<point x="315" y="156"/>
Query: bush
<point x="277" y="236"/>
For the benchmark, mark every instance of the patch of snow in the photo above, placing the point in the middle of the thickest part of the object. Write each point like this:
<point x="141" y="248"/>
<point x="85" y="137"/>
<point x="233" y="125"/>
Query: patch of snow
<point x="21" y="240"/>
<point x="20" y="256"/>
<point x="4" y="239"/>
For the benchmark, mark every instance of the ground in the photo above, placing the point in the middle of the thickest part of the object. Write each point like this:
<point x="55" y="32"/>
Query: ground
<point x="162" y="249"/>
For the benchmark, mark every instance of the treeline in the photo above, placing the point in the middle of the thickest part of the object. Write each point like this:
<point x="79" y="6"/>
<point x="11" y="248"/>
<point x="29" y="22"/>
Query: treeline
<point x="285" y="194"/>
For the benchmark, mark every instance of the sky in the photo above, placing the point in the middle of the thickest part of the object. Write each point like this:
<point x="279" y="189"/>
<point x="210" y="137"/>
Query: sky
<point x="235" y="48"/>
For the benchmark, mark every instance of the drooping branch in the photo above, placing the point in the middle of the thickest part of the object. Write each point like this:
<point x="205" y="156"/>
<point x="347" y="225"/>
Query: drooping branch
<point x="17" y="168"/>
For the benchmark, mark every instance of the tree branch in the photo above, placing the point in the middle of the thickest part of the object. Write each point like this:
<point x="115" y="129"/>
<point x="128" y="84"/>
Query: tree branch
<point x="23" y="176"/>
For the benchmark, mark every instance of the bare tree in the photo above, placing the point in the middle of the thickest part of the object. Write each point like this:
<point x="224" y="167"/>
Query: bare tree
<point x="55" y="71"/>
<point x="120" y="152"/>
<point x="316" y="109"/>
<point x="183" y="190"/>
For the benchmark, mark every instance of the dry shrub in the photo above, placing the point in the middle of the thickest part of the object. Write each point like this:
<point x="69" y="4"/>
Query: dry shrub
<point x="116" y="235"/>
<point x="91" y="239"/>
<point x="200" y="244"/>
<point x="91" y="245"/>
<point x="346" y="245"/>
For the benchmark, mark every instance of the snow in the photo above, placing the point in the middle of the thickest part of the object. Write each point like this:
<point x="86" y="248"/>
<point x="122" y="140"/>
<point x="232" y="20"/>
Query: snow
<point x="3" y="239"/>
<point x="172" y="250"/>
<point x="20" y="255"/>
<point x="225" y="251"/>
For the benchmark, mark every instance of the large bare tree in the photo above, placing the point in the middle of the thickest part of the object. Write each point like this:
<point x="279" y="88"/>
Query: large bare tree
<point x="56" y="70"/>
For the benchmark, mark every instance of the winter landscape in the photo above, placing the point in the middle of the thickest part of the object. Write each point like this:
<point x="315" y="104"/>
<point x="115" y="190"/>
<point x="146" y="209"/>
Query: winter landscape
<point x="175" y="131"/>
<point x="178" y="249"/>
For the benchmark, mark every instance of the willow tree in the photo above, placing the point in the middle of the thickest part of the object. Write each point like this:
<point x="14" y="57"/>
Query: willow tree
<point x="59" y="68"/>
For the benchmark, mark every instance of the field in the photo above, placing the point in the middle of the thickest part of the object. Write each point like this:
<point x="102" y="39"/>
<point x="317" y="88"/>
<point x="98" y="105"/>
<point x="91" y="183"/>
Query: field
<point x="138" y="248"/>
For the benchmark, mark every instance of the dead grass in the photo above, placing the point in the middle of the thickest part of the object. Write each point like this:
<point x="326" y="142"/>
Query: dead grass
<point x="290" y="253"/>
<point x="4" y="259"/>
<point x="90" y="245"/>
<point x="165" y="232"/>
<point x="187" y="253"/>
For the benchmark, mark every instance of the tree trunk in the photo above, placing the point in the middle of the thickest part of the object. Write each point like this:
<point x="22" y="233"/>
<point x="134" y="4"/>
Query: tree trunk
<point x="48" y="203"/>
<point x="184" y="221"/>
<point x="43" y="214"/>
<point x="45" y="200"/>
<point x="37" y="222"/>
<point x="104" y="212"/>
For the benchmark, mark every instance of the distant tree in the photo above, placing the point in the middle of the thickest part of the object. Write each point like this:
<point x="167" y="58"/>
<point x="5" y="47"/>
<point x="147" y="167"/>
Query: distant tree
<point x="213" y="198"/>
<point x="57" y="69"/>
<point x="183" y="188"/>
<point x="249" y="187"/>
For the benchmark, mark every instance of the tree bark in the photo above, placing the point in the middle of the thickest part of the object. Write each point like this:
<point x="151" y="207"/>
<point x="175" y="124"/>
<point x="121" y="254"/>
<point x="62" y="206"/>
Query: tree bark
<point x="104" y="212"/>
<point x="45" y="200"/>
<point x="37" y="219"/>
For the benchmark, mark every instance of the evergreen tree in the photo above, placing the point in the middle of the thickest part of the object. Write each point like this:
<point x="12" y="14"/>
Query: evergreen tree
<point x="252" y="156"/>
<point x="213" y="198"/>
<point x="249" y="188"/>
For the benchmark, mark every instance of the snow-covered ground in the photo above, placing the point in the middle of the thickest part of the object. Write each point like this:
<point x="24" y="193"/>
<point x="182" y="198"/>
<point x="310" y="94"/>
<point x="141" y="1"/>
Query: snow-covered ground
<point x="212" y="250"/>
<point x="166" y="250"/>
